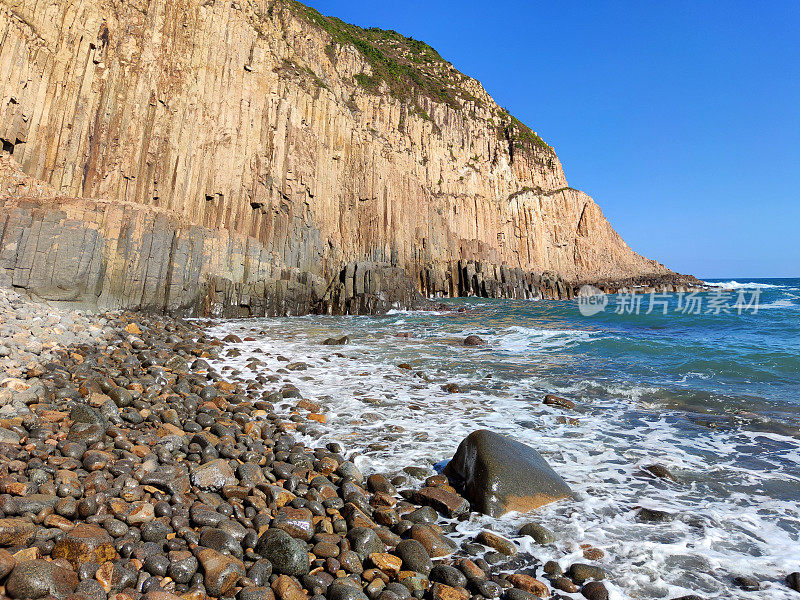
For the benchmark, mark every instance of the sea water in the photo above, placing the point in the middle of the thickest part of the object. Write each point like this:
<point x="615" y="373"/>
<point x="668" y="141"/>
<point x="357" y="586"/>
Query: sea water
<point x="706" y="385"/>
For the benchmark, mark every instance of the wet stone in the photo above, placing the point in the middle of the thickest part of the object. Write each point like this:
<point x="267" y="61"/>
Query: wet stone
<point x="91" y="589"/>
<point x="386" y="516"/>
<point x="297" y="522"/>
<point x="182" y="566"/>
<point x="348" y="471"/>
<point x="447" y="575"/>
<point x="205" y="515"/>
<point x="116" y="528"/>
<point x="351" y="562"/>
<point x="256" y="593"/>
<point x="156" y="564"/>
<point x="553" y="400"/>
<point x="435" y="544"/>
<point x="387" y="563"/>
<point x="121" y="577"/>
<point x="83" y="413"/>
<point x="343" y="590"/>
<point x="88" y="570"/>
<point x="515" y="594"/>
<point x="540" y="534"/>
<point x="16" y="531"/>
<point x="364" y="541"/>
<point x="379" y="483"/>
<point x="88" y="433"/>
<point x="501" y="475"/>
<point x="415" y="582"/>
<point x="326" y="550"/>
<point x="580" y="572"/>
<point x="234" y="529"/>
<point x="748" y="584"/>
<point x="85" y="543"/>
<point x="449" y="504"/>
<point x="219" y="540"/>
<point x="414" y="556"/>
<point x="417" y="472"/>
<point x="7" y="563"/>
<point x="140" y="514"/>
<point x="155" y="531"/>
<point x="260" y="572"/>
<point x="529" y="584"/>
<point x="290" y="391"/>
<point x="120" y="396"/>
<point x="286" y="588"/>
<point x="660" y="471"/>
<point x="793" y="581"/>
<point x="287" y="555"/>
<point x="374" y="588"/>
<point x="398" y="590"/>
<point x="494" y="558"/>
<point x="39" y="578"/>
<point x="501" y="544"/>
<point x="564" y="584"/>
<point x="355" y="515"/>
<point x="221" y="571"/>
<point x="213" y="475"/>
<point x="650" y="515"/>
<point x="594" y="590"/>
<point x="486" y="588"/>
<point x="440" y="591"/>
<point x="31" y="504"/>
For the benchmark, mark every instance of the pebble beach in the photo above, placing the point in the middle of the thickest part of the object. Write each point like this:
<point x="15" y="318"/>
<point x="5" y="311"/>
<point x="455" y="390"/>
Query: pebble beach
<point x="132" y="469"/>
<point x="148" y="457"/>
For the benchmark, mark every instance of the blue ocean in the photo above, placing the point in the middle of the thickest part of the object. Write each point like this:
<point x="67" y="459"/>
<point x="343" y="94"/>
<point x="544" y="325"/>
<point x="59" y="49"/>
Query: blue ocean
<point x="706" y="385"/>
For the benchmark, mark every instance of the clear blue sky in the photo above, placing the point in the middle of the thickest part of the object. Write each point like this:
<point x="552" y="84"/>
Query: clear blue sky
<point x="681" y="119"/>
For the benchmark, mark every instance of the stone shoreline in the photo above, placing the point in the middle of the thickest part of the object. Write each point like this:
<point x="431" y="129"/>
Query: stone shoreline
<point x="130" y="468"/>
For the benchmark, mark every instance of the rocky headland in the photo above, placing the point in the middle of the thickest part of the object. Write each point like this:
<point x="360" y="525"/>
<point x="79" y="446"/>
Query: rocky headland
<point x="256" y="158"/>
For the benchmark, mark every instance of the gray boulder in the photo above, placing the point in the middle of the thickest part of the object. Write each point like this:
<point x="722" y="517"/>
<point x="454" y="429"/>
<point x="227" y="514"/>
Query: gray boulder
<point x="287" y="555"/>
<point x="40" y="578"/>
<point x="500" y="475"/>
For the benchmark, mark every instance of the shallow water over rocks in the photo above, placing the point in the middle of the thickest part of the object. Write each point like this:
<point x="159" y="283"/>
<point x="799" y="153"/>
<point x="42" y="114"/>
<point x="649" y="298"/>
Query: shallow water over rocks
<point x="406" y="390"/>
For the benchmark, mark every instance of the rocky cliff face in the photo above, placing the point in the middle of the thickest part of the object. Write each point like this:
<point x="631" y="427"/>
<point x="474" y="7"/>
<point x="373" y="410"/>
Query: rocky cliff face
<point x="254" y="157"/>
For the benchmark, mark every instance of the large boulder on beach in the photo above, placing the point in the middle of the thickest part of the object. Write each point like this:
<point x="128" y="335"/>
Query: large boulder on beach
<point x="500" y="475"/>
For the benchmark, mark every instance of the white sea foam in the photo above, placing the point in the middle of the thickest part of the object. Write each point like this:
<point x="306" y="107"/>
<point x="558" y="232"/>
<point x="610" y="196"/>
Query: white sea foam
<point x="403" y="311"/>
<point x="750" y="285"/>
<point x="520" y="339"/>
<point x="782" y="303"/>
<point x="726" y="524"/>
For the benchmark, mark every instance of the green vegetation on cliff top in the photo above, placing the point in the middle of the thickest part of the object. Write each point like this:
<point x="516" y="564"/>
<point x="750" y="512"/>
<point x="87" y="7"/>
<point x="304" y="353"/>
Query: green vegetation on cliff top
<point x="409" y="69"/>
